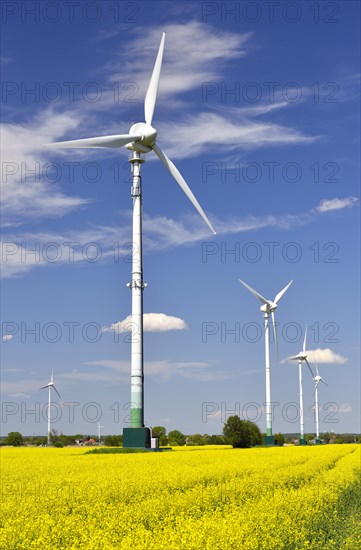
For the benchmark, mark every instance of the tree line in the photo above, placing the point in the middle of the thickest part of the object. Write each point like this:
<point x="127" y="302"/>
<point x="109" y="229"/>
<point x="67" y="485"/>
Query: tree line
<point x="236" y="432"/>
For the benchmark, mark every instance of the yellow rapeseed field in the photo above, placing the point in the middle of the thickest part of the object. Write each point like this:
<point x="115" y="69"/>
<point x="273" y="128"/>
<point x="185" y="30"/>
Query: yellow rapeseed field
<point x="191" y="498"/>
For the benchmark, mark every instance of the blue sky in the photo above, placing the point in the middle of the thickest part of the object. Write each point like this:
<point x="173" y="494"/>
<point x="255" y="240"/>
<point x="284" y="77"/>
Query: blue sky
<point x="260" y="113"/>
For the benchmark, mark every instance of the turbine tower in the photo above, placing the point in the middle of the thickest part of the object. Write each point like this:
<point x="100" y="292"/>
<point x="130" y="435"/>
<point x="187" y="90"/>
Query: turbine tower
<point x="50" y="385"/>
<point x="268" y="308"/>
<point x="302" y="357"/>
<point x="99" y="428"/>
<point x="317" y="379"/>
<point x="141" y="139"/>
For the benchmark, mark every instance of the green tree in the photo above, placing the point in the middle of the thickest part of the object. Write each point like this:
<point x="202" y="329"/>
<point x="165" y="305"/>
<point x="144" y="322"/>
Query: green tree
<point x="54" y="437"/>
<point x="348" y="438"/>
<point x="326" y="437"/>
<point x="196" y="439"/>
<point x="113" y="440"/>
<point x="279" y="439"/>
<point x="215" y="440"/>
<point x="160" y="433"/>
<point x="15" y="439"/>
<point x="242" y="433"/>
<point x="41" y="440"/>
<point x="176" y="438"/>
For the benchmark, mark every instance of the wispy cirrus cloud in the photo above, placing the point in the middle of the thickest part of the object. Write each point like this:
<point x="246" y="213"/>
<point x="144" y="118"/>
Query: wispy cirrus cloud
<point x="329" y="205"/>
<point x="112" y="243"/>
<point x="207" y="131"/>
<point x="21" y="253"/>
<point x="4" y="60"/>
<point x="25" y="195"/>
<point x="344" y="408"/>
<point x="195" y="54"/>
<point x="162" y="369"/>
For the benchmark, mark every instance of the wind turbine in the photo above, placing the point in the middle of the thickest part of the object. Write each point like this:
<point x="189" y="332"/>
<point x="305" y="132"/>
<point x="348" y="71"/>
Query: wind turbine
<point x="50" y="385"/>
<point x="317" y="379"/>
<point x="268" y="308"/>
<point x="302" y="357"/>
<point x="140" y="139"/>
<point x="99" y="428"/>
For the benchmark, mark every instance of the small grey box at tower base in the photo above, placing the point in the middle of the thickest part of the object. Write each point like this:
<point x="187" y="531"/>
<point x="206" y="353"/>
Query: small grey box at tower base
<point x="136" y="438"/>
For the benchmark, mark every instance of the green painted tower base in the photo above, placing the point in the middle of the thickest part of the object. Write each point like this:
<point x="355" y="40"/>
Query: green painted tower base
<point x="318" y="441"/>
<point x="136" y="438"/>
<point x="268" y="440"/>
<point x="303" y="441"/>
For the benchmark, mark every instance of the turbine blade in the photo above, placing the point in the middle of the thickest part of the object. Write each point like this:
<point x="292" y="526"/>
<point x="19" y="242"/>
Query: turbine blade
<point x="295" y="358"/>
<point x="309" y="368"/>
<point x="304" y="341"/>
<point x="255" y="293"/>
<point x="103" y="141"/>
<point x="151" y="95"/>
<point x="181" y="182"/>
<point x="318" y="374"/>
<point x="280" y="294"/>
<point x="52" y="376"/>
<point x="56" y="391"/>
<point x="275" y="333"/>
<point x="44" y="387"/>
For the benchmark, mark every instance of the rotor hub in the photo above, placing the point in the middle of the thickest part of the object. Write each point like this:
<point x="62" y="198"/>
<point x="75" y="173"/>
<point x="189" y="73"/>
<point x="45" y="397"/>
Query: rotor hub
<point x="148" y="134"/>
<point x="268" y="308"/>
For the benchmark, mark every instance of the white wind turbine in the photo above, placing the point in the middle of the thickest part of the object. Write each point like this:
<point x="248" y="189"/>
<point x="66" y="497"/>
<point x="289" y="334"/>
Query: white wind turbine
<point x="99" y="428"/>
<point x="302" y="357"/>
<point x="141" y="139"/>
<point x="268" y="308"/>
<point x="317" y="379"/>
<point x="50" y="385"/>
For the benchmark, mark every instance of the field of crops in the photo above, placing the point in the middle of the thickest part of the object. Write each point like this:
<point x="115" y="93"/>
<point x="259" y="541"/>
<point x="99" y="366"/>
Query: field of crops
<point x="192" y="498"/>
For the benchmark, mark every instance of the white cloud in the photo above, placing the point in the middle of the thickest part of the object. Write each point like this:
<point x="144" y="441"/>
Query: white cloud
<point x="7" y="337"/>
<point x="152" y="322"/>
<point x="328" y="205"/>
<point x="344" y="408"/>
<point x="326" y="355"/>
<point x="321" y="355"/>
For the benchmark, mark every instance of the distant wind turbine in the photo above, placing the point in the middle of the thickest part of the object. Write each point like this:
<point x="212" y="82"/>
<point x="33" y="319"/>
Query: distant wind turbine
<point x="99" y="428"/>
<point x="317" y="379"/>
<point x="141" y="139"/>
<point x="268" y="308"/>
<point x="50" y="386"/>
<point x="302" y="357"/>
